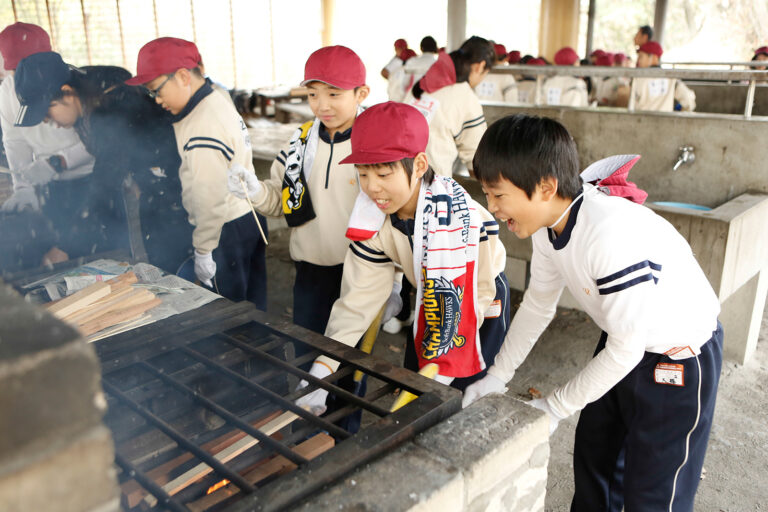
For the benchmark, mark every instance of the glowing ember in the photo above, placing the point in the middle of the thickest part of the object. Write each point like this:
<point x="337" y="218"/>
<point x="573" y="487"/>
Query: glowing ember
<point x="215" y="487"/>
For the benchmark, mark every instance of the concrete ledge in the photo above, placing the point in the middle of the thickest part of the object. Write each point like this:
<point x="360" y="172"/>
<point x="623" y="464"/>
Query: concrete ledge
<point x="491" y="456"/>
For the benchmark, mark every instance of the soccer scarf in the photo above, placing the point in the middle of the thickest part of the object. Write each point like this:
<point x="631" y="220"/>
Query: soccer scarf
<point x="445" y="248"/>
<point x="297" y="204"/>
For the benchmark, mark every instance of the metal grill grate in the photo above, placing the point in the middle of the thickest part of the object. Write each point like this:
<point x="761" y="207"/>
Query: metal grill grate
<point x="185" y="392"/>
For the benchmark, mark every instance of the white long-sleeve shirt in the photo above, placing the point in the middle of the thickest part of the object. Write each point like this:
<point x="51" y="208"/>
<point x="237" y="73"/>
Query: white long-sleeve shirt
<point x="25" y="144"/>
<point x="632" y="273"/>
<point x="659" y="94"/>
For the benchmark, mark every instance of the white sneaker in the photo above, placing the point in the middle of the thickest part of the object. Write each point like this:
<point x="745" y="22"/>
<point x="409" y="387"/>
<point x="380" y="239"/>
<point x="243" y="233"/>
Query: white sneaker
<point x="392" y="326"/>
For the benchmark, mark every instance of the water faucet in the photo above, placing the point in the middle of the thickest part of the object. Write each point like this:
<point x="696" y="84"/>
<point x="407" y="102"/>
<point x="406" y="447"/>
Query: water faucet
<point x="686" y="155"/>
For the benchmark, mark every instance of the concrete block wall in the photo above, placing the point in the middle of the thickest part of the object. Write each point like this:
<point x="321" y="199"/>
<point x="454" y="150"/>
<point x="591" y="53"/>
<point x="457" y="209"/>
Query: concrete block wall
<point x="55" y="453"/>
<point x="490" y="457"/>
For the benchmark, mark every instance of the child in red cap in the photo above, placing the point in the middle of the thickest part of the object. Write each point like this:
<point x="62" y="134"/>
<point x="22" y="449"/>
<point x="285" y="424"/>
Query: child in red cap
<point x="659" y="94"/>
<point x="397" y="61"/>
<point x="446" y="97"/>
<point x="498" y="87"/>
<point x="570" y="91"/>
<point x="211" y="137"/>
<point x="309" y="185"/>
<point x="647" y="397"/>
<point x="445" y="242"/>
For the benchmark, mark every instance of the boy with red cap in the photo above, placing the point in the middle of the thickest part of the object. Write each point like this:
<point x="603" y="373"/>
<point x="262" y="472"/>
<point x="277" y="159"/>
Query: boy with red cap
<point x="43" y="155"/>
<point x="607" y="89"/>
<point x="569" y="91"/>
<point x="229" y="252"/>
<point x="647" y="397"/>
<point x="401" y="80"/>
<point x="659" y="94"/>
<point x="397" y="61"/>
<point x="311" y="187"/>
<point x="498" y="87"/>
<point x="445" y="242"/>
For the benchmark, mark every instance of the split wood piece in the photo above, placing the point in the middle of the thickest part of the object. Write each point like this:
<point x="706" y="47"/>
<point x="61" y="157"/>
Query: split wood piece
<point x="134" y="492"/>
<point x="144" y="319"/>
<point x="309" y="449"/>
<point x="80" y="299"/>
<point x="84" y="313"/>
<point x="115" y="317"/>
<point x="224" y="456"/>
<point x="123" y="280"/>
<point x="120" y="303"/>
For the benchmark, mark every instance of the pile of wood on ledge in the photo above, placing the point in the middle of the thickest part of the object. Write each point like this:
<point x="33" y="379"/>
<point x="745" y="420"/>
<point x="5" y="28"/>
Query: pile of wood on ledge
<point x="104" y="304"/>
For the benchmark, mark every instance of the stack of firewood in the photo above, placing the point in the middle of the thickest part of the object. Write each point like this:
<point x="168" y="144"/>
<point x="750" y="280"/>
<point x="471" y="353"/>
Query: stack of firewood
<point x="104" y="304"/>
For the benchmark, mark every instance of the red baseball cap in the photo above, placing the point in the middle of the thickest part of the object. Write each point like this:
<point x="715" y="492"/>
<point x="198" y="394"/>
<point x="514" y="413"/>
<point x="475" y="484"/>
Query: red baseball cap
<point x="407" y="54"/>
<point x="566" y="56"/>
<point x="163" y="56"/>
<point x="388" y="132"/>
<point x="536" y="62"/>
<point x="337" y="66"/>
<point x="401" y="44"/>
<point x="651" y="48"/>
<point x="604" y="60"/>
<point x="21" y="40"/>
<point x="500" y="50"/>
<point x="597" y="53"/>
<point x="619" y="58"/>
<point x="514" y="57"/>
<point x="763" y="50"/>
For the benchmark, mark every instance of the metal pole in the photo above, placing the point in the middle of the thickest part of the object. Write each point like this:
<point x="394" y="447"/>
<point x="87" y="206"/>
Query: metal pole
<point x="457" y="23"/>
<point x="50" y="24"/>
<point x="659" y="19"/>
<point x="85" y="28"/>
<point x="232" y="44"/>
<point x="122" y="38"/>
<point x="750" y="99"/>
<point x="590" y="26"/>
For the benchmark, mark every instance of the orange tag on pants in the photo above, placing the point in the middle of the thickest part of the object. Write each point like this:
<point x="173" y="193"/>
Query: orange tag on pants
<point x="670" y="374"/>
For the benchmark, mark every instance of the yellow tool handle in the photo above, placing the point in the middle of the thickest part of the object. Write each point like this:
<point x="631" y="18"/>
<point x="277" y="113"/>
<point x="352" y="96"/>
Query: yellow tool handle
<point x="405" y="397"/>
<point x="369" y="338"/>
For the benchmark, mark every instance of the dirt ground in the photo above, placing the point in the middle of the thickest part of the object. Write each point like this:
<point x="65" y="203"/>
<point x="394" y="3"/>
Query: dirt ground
<point x="735" y="479"/>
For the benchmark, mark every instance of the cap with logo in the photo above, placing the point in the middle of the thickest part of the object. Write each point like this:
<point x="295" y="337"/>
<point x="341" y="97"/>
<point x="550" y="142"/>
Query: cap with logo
<point x="38" y="79"/>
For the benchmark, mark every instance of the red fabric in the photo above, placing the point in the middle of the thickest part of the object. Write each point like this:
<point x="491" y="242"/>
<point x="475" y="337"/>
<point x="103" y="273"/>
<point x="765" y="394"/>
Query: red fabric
<point x="400" y="44"/>
<point x="335" y="65"/>
<point x="463" y="360"/>
<point x="500" y="51"/>
<point x="619" y="58"/>
<point x="441" y="74"/>
<point x="407" y="54"/>
<point x="652" y="48"/>
<point x="388" y="132"/>
<point x="604" y="60"/>
<point x="597" y="53"/>
<point x="763" y="50"/>
<point x="566" y="56"/>
<point x="618" y="185"/>
<point x="514" y="57"/>
<point x="359" y="235"/>
<point x="163" y="56"/>
<point x="21" y="40"/>
<point x="536" y="62"/>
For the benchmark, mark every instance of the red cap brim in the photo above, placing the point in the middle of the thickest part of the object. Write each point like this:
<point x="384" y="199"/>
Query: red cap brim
<point x="367" y="158"/>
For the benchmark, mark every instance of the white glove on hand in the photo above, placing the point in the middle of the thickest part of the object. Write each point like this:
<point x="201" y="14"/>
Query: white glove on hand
<point x="235" y="174"/>
<point x="314" y="402"/>
<point x="542" y="405"/>
<point x="23" y="198"/>
<point x="205" y="268"/>
<point x="394" y="303"/>
<point x="485" y="386"/>
<point x="39" y="172"/>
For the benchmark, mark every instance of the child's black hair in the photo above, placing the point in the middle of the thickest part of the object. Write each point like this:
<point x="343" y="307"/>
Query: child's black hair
<point x="473" y="50"/>
<point x="407" y="164"/>
<point x="526" y="149"/>
<point x="648" y="31"/>
<point x="428" y="44"/>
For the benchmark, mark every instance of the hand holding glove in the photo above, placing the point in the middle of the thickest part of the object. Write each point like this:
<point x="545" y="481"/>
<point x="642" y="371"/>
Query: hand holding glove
<point x="485" y="386"/>
<point x="542" y="405"/>
<point x="394" y="303"/>
<point x="205" y="268"/>
<point x="314" y="402"/>
<point x="235" y="174"/>
<point x="23" y="198"/>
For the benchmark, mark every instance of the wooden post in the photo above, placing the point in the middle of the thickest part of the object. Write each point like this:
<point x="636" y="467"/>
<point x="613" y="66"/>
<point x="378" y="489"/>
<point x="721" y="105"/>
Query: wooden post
<point x="122" y="37"/>
<point x="154" y="14"/>
<point x="590" y="27"/>
<point x="328" y="13"/>
<point x="194" y="26"/>
<point x="232" y="45"/>
<point x="85" y="28"/>
<point x="50" y="25"/>
<point x="558" y="26"/>
<point x="15" y="14"/>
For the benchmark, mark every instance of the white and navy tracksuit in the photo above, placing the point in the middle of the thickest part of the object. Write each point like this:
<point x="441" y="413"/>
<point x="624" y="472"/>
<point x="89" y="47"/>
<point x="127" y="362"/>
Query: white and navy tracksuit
<point x="211" y="137"/>
<point x="648" y="395"/>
